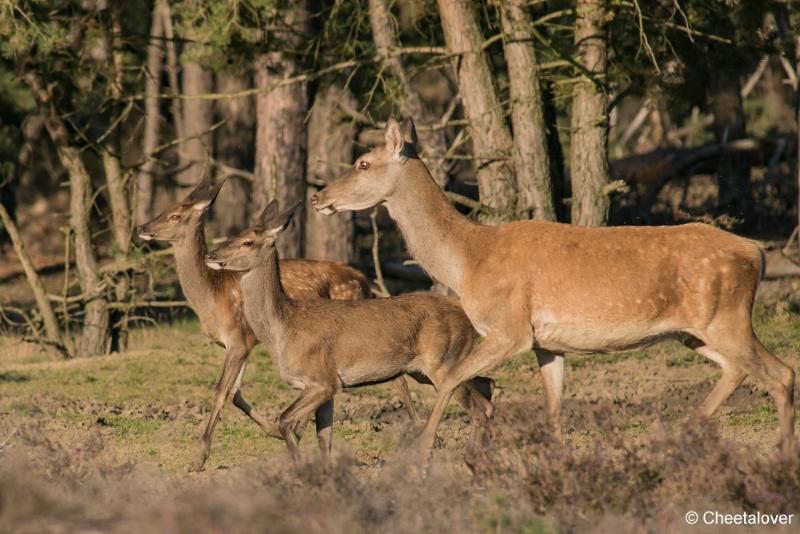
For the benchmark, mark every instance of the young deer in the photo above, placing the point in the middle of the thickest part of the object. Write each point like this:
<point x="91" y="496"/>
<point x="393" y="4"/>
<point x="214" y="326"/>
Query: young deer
<point x="556" y="288"/>
<point x="217" y="299"/>
<point x="323" y="346"/>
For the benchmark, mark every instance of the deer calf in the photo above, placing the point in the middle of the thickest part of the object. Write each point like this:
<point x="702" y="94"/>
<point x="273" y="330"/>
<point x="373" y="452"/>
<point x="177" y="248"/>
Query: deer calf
<point x="216" y="298"/>
<point x="323" y="346"/>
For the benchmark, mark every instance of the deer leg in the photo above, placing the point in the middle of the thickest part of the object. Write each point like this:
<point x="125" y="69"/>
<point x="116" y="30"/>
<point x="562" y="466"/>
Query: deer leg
<point x="750" y="356"/>
<point x="493" y="350"/>
<point x="269" y="428"/>
<point x="401" y="385"/>
<point x="323" y="419"/>
<point x="785" y="376"/>
<point x="234" y="362"/>
<point x="551" y="368"/>
<point x="312" y="397"/>
<point x="732" y="377"/>
<point x="476" y="397"/>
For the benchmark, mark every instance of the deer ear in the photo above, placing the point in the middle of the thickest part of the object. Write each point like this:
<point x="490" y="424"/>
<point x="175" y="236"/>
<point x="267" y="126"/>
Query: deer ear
<point x="394" y="138"/>
<point x="269" y="213"/>
<point x="409" y="132"/>
<point x="281" y="221"/>
<point x="204" y="195"/>
<point x="273" y="221"/>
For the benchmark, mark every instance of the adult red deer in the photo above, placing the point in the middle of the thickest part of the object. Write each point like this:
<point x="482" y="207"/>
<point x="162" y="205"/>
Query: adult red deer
<point x="556" y="288"/>
<point x="217" y="299"/>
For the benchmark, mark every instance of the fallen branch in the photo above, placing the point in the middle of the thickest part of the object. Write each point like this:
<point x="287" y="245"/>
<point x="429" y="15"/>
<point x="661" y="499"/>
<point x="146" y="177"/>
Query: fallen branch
<point x="148" y="304"/>
<point x="39" y="294"/>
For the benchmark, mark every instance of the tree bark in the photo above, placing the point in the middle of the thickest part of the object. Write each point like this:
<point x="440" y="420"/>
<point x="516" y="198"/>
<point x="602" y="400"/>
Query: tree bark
<point x="172" y="68"/>
<point x="491" y="138"/>
<point x="555" y="151"/>
<point x="432" y="143"/>
<point x="118" y="192"/>
<point x="281" y="134"/>
<point x="196" y="123"/>
<point x="589" y="118"/>
<point x="51" y="328"/>
<point x="233" y="147"/>
<point x="531" y="155"/>
<point x="95" y="335"/>
<point x="729" y="125"/>
<point x="143" y="198"/>
<point x="331" y="136"/>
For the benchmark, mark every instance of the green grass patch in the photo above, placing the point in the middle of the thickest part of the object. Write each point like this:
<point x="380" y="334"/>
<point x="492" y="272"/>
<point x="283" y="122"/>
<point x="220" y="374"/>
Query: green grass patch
<point x="764" y="415"/>
<point x="687" y="359"/>
<point x="129" y="427"/>
<point x="582" y="360"/>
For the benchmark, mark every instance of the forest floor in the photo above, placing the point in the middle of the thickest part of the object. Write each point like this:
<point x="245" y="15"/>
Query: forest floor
<point x="103" y="444"/>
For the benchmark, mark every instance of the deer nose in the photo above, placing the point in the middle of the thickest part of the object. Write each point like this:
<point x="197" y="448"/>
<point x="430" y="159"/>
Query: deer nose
<point x="211" y="256"/>
<point x="314" y="199"/>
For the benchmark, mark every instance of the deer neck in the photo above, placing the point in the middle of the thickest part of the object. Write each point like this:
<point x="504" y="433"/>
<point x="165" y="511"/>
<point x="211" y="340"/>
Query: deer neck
<point x="193" y="273"/>
<point x="436" y="234"/>
<point x="265" y="302"/>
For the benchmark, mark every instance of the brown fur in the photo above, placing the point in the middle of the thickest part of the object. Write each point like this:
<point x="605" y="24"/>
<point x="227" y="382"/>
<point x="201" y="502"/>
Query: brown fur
<point x="322" y="346"/>
<point x="216" y="297"/>
<point x="557" y="288"/>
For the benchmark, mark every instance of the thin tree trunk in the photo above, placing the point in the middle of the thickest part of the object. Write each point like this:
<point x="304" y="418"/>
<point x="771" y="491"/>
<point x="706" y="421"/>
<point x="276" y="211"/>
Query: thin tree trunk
<point x="555" y="151"/>
<point x="589" y="118"/>
<point x="331" y="138"/>
<point x="95" y="336"/>
<point x="233" y="146"/>
<point x="729" y="125"/>
<point x="152" y="117"/>
<point x="432" y="143"/>
<point x="118" y="192"/>
<point x="51" y="328"/>
<point x="172" y="68"/>
<point x="531" y="155"/>
<point x="118" y="198"/>
<point x="491" y="138"/>
<point x="196" y="121"/>
<point x="797" y="113"/>
<point x="280" y="133"/>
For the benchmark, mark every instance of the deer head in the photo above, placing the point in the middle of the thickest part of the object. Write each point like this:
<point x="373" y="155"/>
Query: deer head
<point x="243" y="251"/>
<point x="374" y="175"/>
<point x="170" y="226"/>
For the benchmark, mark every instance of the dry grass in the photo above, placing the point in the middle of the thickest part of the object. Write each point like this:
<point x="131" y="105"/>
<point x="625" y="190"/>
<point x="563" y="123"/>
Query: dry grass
<point x="102" y="445"/>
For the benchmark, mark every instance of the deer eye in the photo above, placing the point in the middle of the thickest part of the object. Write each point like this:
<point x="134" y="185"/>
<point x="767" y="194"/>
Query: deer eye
<point x="363" y="165"/>
<point x="248" y="243"/>
<point x="174" y="217"/>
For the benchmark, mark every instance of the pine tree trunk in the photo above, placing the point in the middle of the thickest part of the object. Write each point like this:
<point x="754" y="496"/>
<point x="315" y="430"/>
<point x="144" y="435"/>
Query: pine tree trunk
<point x="331" y="137"/>
<point x="531" y="155"/>
<point x="432" y="143"/>
<point x="735" y="197"/>
<point x="281" y="134"/>
<point x="233" y="147"/>
<point x="555" y="151"/>
<point x="152" y="117"/>
<point x="95" y="335"/>
<point x="589" y="118"/>
<point x="196" y="122"/>
<point x="491" y="138"/>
